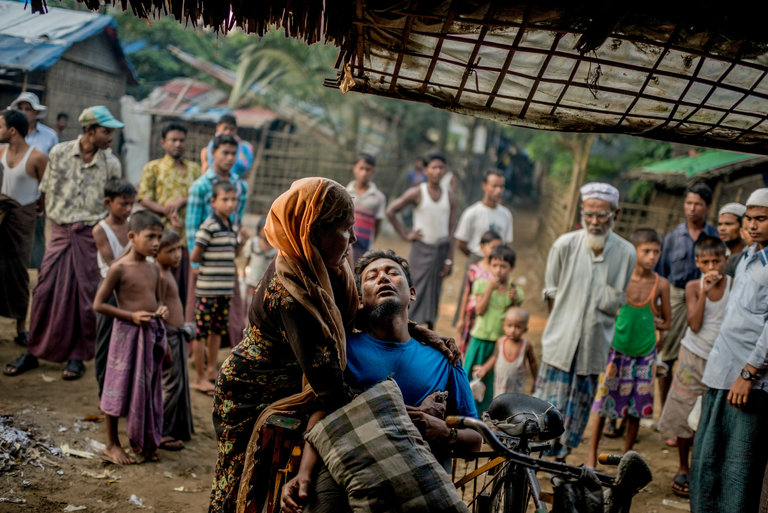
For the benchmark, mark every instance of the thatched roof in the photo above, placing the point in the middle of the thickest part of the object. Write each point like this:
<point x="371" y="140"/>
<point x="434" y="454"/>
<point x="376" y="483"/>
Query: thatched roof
<point x="689" y="72"/>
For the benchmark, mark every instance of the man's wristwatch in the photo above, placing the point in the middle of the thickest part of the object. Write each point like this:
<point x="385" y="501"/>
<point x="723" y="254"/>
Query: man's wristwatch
<point x="448" y="261"/>
<point x="453" y="436"/>
<point x="748" y="376"/>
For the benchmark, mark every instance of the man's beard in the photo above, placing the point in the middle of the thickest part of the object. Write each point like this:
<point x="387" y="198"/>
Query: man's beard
<point x="384" y="311"/>
<point x="596" y="242"/>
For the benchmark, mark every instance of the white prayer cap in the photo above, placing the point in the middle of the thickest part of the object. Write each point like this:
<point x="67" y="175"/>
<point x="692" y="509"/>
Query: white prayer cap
<point x="601" y="191"/>
<point x="759" y="198"/>
<point x="736" y="209"/>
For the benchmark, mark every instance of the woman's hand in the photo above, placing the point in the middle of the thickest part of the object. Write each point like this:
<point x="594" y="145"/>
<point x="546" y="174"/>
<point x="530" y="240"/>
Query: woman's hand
<point x="446" y="345"/>
<point x="295" y="493"/>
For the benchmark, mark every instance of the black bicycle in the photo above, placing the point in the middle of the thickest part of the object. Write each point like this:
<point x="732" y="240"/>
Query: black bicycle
<point x="517" y="426"/>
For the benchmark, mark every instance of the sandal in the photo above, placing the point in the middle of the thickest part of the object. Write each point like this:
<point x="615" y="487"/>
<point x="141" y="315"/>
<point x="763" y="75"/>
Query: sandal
<point x="681" y="486"/>
<point x="21" y="365"/>
<point x="611" y="431"/>
<point x="172" y="445"/>
<point x="74" y="370"/>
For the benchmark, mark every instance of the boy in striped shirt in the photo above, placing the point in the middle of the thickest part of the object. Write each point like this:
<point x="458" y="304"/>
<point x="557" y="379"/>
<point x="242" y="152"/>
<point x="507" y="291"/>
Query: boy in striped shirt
<point x="216" y="246"/>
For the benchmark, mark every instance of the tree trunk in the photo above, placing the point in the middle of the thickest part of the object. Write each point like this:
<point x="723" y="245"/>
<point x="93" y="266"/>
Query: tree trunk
<point x="581" y="147"/>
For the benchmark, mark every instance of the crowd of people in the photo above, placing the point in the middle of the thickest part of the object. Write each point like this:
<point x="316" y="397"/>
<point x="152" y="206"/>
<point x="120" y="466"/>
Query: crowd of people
<point x="131" y="277"/>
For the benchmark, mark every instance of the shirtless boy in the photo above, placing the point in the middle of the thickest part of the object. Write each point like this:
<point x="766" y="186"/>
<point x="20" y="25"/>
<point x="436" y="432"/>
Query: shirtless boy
<point x="177" y="408"/>
<point x="132" y="384"/>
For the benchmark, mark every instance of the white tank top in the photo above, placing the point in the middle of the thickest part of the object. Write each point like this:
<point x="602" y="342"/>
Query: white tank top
<point x="114" y="244"/>
<point x="16" y="182"/>
<point x="700" y="343"/>
<point x="432" y="217"/>
<point x="509" y="376"/>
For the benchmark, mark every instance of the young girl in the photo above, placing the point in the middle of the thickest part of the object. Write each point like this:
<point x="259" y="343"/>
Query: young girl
<point x="512" y="354"/>
<point x="477" y="271"/>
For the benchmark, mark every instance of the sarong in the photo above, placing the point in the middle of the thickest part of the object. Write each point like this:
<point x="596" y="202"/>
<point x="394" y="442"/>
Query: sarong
<point x="237" y="314"/>
<point x="133" y="382"/>
<point x="181" y="275"/>
<point x="478" y="352"/>
<point x="62" y="323"/>
<point x="626" y="386"/>
<point x="677" y="329"/>
<point x="16" y="235"/>
<point x="38" y="247"/>
<point x="427" y="262"/>
<point x="730" y="453"/>
<point x="177" y="406"/>
<point x="103" y="336"/>
<point x="570" y="393"/>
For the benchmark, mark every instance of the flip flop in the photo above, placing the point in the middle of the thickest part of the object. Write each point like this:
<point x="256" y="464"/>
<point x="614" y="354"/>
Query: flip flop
<point x="671" y="442"/>
<point x="611" y="431"/>
<point x="21" y="365"/>
<point x="75" y="368"/>
<point x="172" y="445"/>
<point x="681" y="486"/>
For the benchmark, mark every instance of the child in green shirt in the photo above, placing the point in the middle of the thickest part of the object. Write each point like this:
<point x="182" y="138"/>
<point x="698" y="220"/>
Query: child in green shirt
<point x="492" y="298"/>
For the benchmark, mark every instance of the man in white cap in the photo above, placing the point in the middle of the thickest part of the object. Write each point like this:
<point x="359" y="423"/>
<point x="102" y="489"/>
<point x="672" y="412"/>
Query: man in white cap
<point x="587" y="274"/>
<point x="729" y="228"/>
<point x="43" y="138"/>
<point x="62" y="322"/>
<point x="731" y="450"/>
<point x="38" y="136"/>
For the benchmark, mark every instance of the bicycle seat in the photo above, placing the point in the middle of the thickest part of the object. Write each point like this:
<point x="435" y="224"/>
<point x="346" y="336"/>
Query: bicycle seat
<point x="525" y="416"/>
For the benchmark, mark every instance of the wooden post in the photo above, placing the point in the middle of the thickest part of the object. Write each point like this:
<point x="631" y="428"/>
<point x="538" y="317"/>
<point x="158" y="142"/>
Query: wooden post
<point x="581" y="147"/>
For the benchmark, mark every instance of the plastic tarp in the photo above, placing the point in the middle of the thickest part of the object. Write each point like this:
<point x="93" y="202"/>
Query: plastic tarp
<point x="31" y="42"/>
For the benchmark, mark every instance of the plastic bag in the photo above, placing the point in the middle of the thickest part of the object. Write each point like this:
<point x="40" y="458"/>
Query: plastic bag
<point x="478" y="388"/>
<point x="695" y="415"/>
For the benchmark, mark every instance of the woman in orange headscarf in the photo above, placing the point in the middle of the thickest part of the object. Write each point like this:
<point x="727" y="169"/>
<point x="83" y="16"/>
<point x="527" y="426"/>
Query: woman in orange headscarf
<point x="292" y="355"/>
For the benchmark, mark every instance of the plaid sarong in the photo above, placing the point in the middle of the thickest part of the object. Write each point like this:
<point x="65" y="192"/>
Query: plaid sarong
<point x="373" y="450"/>
<point x="570" y="393"/>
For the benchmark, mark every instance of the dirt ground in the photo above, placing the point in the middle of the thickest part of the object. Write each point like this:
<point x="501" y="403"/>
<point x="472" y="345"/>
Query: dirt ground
<point x="55" y="413"/>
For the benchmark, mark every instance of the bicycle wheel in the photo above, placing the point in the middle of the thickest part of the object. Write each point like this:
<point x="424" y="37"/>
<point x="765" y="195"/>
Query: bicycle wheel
<point x="510" y="492"/>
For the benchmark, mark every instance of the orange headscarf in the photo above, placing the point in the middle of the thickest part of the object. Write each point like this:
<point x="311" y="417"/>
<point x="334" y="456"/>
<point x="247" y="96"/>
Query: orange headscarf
<point x="301" y="270"/>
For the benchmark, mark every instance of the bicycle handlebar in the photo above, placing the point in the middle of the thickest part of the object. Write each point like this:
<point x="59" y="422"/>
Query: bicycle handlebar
<point x="552" y="467"/>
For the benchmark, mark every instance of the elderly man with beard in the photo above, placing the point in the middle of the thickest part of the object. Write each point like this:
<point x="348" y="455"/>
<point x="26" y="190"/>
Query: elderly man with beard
<point x="587" y="274"/>
<point x="430" y="384"/>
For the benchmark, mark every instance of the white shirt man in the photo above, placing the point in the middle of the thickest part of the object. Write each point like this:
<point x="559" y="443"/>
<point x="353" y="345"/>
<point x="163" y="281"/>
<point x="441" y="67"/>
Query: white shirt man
<point x="486" y="214"/>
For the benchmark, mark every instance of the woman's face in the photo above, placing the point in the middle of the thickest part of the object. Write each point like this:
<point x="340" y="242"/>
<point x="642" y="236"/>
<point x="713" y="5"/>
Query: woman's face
<point x="333" y="241"/>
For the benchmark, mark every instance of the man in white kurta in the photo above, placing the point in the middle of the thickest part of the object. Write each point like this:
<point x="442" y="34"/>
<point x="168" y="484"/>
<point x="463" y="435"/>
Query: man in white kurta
<point x="588" y="271"/>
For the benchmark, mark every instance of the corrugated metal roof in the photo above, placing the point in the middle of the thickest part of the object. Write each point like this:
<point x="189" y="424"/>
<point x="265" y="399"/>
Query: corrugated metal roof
<point x="35" y="42"/>
<point x="693" y="165"/>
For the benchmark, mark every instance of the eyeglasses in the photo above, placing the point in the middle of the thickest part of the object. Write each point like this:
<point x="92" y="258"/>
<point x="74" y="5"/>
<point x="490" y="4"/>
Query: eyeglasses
<point x="600" y="216"/>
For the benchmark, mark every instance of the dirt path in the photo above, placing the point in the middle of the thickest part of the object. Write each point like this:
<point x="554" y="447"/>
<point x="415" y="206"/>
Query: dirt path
<point x="53" y="411"/>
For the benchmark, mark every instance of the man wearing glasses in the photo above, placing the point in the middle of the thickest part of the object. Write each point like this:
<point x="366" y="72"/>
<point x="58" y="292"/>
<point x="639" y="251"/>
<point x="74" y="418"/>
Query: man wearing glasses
<point x="678" y="266"/>
<point x="587" y="274"/>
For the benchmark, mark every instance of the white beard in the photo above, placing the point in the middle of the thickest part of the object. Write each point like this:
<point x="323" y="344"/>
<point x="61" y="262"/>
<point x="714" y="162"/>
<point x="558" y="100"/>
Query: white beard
<point x="596" y="242"/>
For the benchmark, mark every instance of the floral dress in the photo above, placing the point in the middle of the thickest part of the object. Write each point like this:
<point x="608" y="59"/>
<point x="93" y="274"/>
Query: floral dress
<point x="281" y="343"/>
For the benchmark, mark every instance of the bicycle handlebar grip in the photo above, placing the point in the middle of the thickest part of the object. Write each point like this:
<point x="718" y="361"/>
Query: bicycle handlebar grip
<point x="454" y="421"/>
<point x="609" y="459"/>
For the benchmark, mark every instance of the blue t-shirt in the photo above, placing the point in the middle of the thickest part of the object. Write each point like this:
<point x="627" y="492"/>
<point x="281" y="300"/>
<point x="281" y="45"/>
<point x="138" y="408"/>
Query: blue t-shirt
<point x="418" y="370"/>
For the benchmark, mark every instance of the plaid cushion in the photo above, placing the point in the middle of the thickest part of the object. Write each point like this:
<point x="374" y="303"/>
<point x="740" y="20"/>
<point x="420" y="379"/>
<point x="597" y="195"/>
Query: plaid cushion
<point x="373" y="450"/>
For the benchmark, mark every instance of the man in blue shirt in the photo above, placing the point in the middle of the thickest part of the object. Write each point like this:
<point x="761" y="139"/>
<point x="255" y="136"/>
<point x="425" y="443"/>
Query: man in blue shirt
<point x="385" y="349"/>
<point x="731" y="450"/>
<point x="199" y="209"/>
<point x="678" y="266"/>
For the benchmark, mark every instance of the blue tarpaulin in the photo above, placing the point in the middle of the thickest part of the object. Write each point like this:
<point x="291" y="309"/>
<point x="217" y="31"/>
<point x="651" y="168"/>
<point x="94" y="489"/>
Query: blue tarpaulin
<point x="31" y="42"/>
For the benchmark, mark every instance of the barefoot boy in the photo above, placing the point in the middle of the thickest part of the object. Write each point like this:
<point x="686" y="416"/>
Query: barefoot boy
<point x="492" y="298"/>
<point x="626" y="386"/>
<point x="111" y="238"/>
<point x="177" y="408"/>
<point x="132" y="383"/>
<point x="511" y="355"/>
<point x="215" y="249"/>
<point x="705" y="300"/>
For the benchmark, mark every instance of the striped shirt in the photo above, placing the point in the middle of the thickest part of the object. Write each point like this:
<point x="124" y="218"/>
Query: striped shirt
<point x="217" y="270"/>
